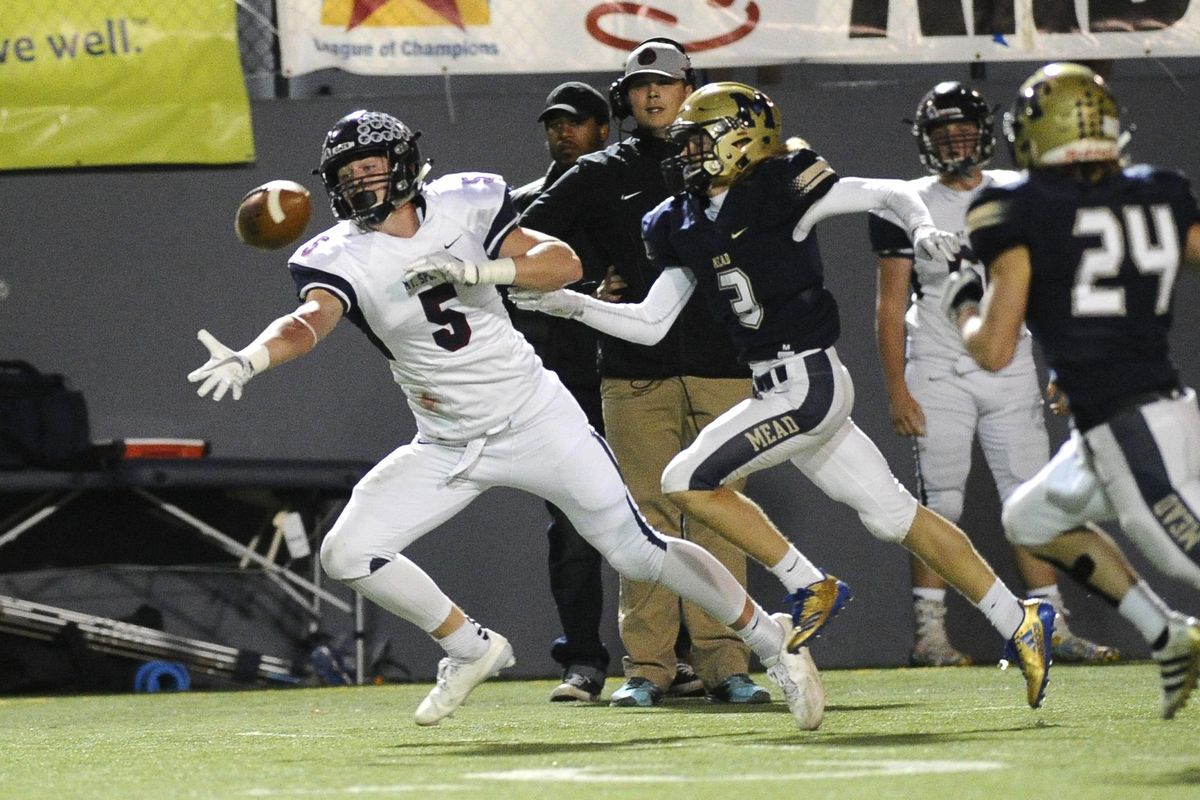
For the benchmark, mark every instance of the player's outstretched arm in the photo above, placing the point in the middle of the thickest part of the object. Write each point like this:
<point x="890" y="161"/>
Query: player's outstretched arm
<point x="646" y="322"/>
<point x="289" y="337"/>
<point x="853" y="195"/>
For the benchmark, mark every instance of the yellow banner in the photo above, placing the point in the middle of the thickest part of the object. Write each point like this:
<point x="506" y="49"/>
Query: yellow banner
<point x="117" y="82"/>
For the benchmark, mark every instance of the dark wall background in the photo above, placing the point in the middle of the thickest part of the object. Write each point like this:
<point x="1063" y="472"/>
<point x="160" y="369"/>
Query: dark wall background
<point x="107" y="275"/>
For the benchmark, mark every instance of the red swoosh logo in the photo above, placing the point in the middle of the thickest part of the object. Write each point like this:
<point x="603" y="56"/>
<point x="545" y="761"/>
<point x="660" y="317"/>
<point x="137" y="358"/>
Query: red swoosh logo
<point x="657" y="15"/>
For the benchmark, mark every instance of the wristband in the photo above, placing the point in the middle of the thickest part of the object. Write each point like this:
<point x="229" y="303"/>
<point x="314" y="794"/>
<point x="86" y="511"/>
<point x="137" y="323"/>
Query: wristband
<point x="500" y="270"/>
<point x="258" y="356"/>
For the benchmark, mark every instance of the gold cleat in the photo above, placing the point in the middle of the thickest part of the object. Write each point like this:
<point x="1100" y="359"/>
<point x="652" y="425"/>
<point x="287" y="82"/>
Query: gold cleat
<point x="812" y="607"/>
<point x="1029" y="647"/>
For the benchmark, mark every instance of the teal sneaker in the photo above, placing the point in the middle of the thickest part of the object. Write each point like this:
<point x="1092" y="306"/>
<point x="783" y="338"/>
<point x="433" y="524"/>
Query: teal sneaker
<point x="739" y="689"/>
<point x="640" y="692"/>
<point x="812" y="607"/>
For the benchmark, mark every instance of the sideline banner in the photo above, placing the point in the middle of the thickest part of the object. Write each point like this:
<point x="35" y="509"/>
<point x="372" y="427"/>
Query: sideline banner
<point x="118" y="82"/>
<point x="422" y="37"/>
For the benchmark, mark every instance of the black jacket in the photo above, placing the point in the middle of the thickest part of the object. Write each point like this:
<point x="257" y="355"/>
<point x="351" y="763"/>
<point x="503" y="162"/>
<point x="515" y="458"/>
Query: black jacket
<point x="564" y="345"/>
<point x="601" y="200"/>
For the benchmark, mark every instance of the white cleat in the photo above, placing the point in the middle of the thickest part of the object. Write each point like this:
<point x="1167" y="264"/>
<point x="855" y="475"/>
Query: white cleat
<point x="1179" y="662"/>
<point x="796" y="674"/>
<point x="456" y="679"/>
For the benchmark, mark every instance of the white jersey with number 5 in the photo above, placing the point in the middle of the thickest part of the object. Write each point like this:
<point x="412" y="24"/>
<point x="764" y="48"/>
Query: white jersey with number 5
<point x="452" y="348"/>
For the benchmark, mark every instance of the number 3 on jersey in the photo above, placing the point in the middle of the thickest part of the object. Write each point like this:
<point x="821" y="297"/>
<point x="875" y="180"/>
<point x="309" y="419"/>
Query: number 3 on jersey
<point x="747" y="309"/>
<point x="1161" y="259"/>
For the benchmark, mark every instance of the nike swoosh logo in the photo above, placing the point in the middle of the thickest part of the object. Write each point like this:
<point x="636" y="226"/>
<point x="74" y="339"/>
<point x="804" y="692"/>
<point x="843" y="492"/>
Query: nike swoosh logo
<point x="630" y="195"/>
<point x="738" y="233"/>
<point x="452" y="241"/>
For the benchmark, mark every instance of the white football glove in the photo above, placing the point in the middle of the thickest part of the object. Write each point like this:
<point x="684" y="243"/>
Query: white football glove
<point x="227" y="370"/>
<point x="933" y="244"/>
<point x="559" y="303"/>
<point x="445" y="267"/>
<point x="964" y="289"/>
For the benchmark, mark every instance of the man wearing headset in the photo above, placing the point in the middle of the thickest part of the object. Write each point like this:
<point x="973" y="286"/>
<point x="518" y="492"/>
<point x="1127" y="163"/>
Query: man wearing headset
<point x="655" y="398"/>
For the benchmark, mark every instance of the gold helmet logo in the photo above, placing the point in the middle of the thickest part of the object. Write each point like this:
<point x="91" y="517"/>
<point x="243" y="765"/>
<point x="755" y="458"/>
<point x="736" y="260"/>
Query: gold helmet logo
<point x="723" y="130"/>
<point x="1064" y="114"/>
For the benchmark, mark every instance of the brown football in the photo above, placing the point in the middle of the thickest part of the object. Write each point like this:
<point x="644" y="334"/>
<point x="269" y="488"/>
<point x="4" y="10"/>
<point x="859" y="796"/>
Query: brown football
<point x="273" y="215"/>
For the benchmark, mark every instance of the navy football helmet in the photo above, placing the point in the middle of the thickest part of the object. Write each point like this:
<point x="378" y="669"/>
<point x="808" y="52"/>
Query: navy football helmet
<point x="368" y="200"/>
<point x="950" y="101"/>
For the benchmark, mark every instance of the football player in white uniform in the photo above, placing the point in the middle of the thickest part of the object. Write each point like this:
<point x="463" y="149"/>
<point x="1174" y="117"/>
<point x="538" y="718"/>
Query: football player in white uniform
<point x="939" y="395"/>
<point x="415" y="265"/>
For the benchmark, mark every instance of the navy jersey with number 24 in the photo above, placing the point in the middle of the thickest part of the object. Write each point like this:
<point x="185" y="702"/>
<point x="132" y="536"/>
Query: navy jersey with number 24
<point x="1104" y="261"/>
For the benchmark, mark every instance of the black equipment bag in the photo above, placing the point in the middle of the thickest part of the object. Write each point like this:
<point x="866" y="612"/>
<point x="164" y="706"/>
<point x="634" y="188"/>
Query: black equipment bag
<point x="42" y="422"/>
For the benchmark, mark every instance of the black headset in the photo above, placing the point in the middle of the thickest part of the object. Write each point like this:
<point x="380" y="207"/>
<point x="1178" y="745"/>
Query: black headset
<point x="618" y="99"/>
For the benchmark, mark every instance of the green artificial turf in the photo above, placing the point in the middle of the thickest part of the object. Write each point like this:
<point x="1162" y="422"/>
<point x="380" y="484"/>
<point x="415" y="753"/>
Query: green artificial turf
<point x="900" y="733"/>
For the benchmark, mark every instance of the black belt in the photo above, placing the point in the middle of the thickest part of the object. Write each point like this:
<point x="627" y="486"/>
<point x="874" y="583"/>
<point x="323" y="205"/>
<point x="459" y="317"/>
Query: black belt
<point x="768" y="380"/>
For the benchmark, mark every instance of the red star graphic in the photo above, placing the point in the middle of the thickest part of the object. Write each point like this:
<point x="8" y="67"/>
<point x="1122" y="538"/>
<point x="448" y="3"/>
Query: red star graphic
<point x="446" y="9"/>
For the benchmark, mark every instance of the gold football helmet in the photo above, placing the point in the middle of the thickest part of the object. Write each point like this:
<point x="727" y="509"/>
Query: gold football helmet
<point x="1063" y="114"/>
<point x="723" y="129"/>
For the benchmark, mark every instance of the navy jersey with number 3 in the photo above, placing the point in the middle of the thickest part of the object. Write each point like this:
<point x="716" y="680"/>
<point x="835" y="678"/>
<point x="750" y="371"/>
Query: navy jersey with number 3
<point x="1104" y="262"/>
<point x="767" y="288"/>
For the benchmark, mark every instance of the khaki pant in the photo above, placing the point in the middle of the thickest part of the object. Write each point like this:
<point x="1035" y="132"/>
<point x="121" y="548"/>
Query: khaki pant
<point x="646" y="423"/>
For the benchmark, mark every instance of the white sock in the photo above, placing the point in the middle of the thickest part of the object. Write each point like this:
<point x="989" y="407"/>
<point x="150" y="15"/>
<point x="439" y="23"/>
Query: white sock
<point x="795" y="571"/>
<point x="1145" y="610"/>
<point x="1051" y="595"/>
<point x="467" y="643"/>
<point x="926" y="593"/>
<point x="764" y="635"/>
<point x="1002" y="608"/>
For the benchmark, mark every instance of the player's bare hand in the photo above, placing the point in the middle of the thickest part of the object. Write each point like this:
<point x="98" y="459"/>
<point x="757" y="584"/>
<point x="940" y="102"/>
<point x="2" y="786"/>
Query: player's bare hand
<point x="612" y="287"/>
<point x="908" y="418"/>
<point x="1057" y="400"/>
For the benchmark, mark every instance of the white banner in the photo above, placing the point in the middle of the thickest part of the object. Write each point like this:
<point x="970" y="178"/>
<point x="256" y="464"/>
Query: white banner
<point x="423" y="37"/>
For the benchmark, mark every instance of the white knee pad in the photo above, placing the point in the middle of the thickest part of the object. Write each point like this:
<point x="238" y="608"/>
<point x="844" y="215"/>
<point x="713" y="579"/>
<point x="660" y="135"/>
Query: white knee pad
<point x="642" y="562"/>
<point x="341" y="560"/>
<point x="889" y="519"/>
<point x="947" y="502"/>
<point x="1025" y="519"/>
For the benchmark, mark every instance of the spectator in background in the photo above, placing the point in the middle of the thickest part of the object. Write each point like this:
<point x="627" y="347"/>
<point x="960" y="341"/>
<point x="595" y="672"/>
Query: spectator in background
<point x="938" y="395"/>
<point x="656" y="399"/>
<point x="576" y="123"/>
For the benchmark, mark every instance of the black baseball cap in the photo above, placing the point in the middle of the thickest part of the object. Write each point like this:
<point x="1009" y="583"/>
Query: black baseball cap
<point x="577" y="99"/>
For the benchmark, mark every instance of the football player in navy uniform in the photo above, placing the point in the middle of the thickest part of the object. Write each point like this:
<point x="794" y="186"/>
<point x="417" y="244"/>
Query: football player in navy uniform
<point x="738" y="230"/>
<point x="1086" y="251"/>
<point x="415" y="266"/>
<point x="937" y="394"/>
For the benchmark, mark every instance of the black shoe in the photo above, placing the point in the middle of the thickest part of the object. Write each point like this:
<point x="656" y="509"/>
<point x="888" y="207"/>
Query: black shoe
<point x="686" y="683"/>
<point x="579" y="683"/>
